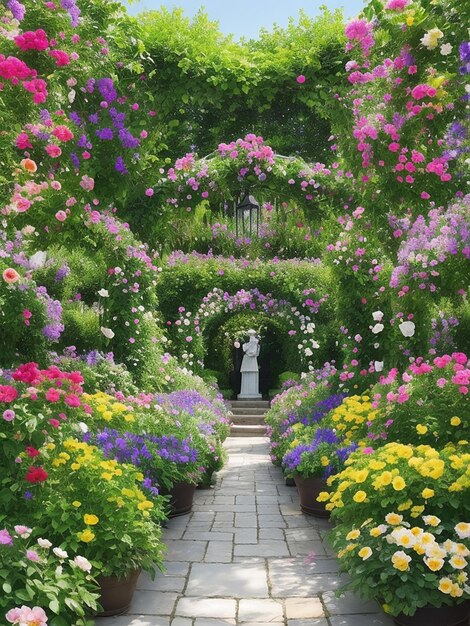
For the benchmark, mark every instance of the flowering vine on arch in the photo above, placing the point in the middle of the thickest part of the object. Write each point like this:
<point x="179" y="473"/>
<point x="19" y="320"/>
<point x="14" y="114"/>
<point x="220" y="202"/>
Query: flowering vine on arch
<point x="191" y="326"/>
<point x="248" y="164"/>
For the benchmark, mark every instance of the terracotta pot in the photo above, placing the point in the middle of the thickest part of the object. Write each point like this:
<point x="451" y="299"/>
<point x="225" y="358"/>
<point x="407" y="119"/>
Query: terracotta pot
<point x="456" y="615"/>
<point x="116" y="593"/>
<point x="182" y="496"/>
<point x="308" y="489"/>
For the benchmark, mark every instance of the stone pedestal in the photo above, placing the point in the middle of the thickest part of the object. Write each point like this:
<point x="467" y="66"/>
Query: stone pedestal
<point x="250" y="386"/>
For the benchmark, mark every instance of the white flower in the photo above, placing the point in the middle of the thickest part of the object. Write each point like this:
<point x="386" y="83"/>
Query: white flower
<point x="107" y="332"/>
<point x="38" y="260"/>
<point x="71" y="95"/>
<point x="378" y="366"/>
<point x="62" y="554"/>
<point x="117" y="269"/>
<point x="83" y="563"/>
<point x="407" y="329"/>
<point x="376" y="345"/>
<point x="315" y="344"/>
<point x="44" y="543"/>
<point x="308" y="352"/>
<point x="104" y="293"/>
<point x="83" y="427"/>
<point x="236" y="344"/>
<point x="431" y="38"/>
<point x="446" y="49"/>
<point x="377" y="316"/>
<point x="378" y="328"/>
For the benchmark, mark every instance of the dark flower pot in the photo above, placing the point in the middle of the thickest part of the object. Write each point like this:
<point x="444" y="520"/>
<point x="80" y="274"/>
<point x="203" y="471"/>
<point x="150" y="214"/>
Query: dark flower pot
<point x="290" y="482"/>
<point x="182" y="496"/>
<point x="456" y="615"/>
<point x="308" y="489"/>
<point x="116" y="593"/>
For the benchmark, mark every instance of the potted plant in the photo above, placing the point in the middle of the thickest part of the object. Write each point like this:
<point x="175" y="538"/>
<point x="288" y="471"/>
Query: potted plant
<point x="39" y="580"/>
<point x="401" y="529"/>
<point x="315" y="455"/>
<point x="106" y="511"/>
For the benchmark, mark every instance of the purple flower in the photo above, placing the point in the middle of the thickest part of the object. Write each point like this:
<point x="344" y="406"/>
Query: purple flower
<point x="119" y="166"/>
<point x="72" y="9"/>
<point x="75" y="160"/>
<point x="94" y="118"/>
<point x="75" y="117"/>
<point x="18" y="10"/>
<point x="107" y="90"/>
<point x="62" y="272"/>
<point x="106" y="134"/>
<point x="127" y="139"/>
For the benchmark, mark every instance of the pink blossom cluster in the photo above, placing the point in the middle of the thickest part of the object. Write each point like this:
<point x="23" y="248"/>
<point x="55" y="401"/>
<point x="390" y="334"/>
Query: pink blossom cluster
<point x="32" y="40"/>
<point x="26" y="616"/>
<point x="360" y="31"/>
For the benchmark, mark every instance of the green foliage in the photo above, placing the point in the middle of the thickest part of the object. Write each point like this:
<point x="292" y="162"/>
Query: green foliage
<point x="81" y="327"/>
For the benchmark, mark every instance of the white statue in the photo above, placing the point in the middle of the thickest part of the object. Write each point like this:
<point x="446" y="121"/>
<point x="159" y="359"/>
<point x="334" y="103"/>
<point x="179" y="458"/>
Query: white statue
<point x="249" y="368"/>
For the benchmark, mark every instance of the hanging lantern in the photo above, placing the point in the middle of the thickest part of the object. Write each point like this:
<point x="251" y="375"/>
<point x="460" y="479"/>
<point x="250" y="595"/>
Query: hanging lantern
<point x="247" y="217"/>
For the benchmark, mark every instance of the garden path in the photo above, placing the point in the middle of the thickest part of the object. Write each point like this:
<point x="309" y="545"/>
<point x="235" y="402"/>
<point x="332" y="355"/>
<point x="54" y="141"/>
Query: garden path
<point x="247" y="556"/>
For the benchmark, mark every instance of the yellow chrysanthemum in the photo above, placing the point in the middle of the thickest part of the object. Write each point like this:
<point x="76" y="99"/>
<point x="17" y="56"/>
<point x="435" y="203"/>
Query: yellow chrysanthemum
<point x="359" y="496"/>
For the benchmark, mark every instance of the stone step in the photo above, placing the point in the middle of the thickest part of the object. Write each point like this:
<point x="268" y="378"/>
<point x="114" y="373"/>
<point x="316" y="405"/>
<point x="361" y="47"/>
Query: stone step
<point x="248" y="419"/>
<point x="247" y="430"/>
<point x="259" y="404"/>
<point x="240" y="410"/>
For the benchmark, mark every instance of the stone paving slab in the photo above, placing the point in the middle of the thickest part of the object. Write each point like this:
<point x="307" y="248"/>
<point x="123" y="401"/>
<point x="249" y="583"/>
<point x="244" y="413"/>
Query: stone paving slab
<point x="247" y="556"/>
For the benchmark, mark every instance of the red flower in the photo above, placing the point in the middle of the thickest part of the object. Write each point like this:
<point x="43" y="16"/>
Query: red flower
<point x="36" y="475"/>
<point x="7" y="393"/>
<point x="32" y="452"/>
<point x="28" y="373"/>
<point x="52" y="395"/>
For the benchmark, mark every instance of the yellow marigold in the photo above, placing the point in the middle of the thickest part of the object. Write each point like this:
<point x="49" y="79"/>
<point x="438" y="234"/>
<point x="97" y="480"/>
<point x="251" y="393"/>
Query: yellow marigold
<point x="144" y="505"/>
<point x="323" y="496"/>
<point x="455" y="421"/>
<point x="90" y="520"/>
<point x="129" y="493"/>
<point x="361" y="475"/>
<point x="404" y="506"/>
<point x="86" y="536"/>
<point x="108" y="416"/>
<point x="427" y="493"/>
<point x="398" y="483"/>
<point x="325" y="461"/>
<point x="433" y="468"/>
<point x="376" y="465"/>
<point x="75" y="466"/>
<point x="421" y="429"/>
<point x="107" y="475"/>
<point x="359" y="496"/>
<point x="416" y="511"/>
<point x="129" y="418"/>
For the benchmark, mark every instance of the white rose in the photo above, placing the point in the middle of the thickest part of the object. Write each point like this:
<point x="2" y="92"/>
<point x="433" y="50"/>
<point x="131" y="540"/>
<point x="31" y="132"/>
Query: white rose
<point x="308" y="352"/>
<point x="446" y="49"/>
<point x="104" y="293"/>
<point x="378" y="328"/>
<point x="83" y="563"/>
<point x="377" y="316"/>
<point x="62" y="554"/>
<point x="107" y="332"/>
<point x="378" y="366"/>
<point x="44" y="543"/>
<point x="407" y="329"/>
<point x="315" y="344"/>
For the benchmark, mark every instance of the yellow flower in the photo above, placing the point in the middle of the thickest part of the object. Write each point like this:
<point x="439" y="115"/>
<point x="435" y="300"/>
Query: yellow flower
<point x="86" y="536"/>
<point x="365" y="553"/>
<point x="421" y="429"/>
<point x="393" y="519"/>
<point x="431" y="520"/>
<point x="107" y="475"/>
<point x="409" y="20"/>
<point x="458" y="562"/>
<point x="75" y="466"/>
<point x="378" y="530"/>
<point x="400" y="561"/>
<point x="455" y="421"/>
<point x="398" y="483"/>
<point x="434" y="564"/>
<point x="416" y="511"/>
<point x="359" y="496"/>
<point x="353" y="534"/>
<point x="404" y="506"/>
<point x="129" y="418"/>
<point x="108" y="416"/>
<point x="144" y="505"/>
<point x="445" y="585"/>
<point x="325" y="461"/>
<point x="90" y="520"/>
<point x="361" y="475"/>
<point x="129" y="493"/>
<point x="76" y="503"/>
<point x="427" y="493"/>
<point x="463" y="530"/>
<point x="456" y="591"/>
<point x="323" y="496"/>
